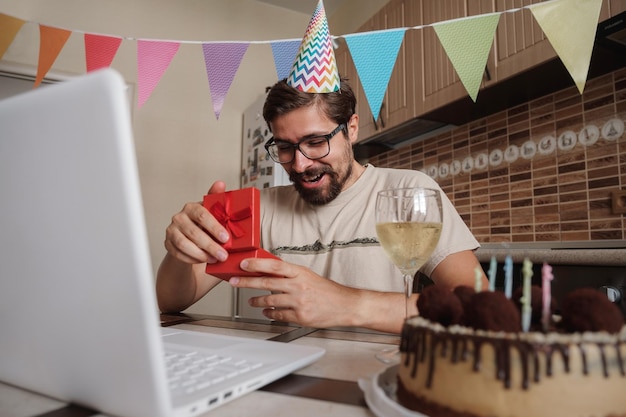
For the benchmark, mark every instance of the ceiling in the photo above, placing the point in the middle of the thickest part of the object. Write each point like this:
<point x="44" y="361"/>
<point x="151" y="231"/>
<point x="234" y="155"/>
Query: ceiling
<point x="306" y="6"/>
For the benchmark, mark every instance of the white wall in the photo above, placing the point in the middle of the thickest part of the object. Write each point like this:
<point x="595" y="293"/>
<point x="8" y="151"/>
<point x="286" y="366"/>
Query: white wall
<point x="181" y="146"/>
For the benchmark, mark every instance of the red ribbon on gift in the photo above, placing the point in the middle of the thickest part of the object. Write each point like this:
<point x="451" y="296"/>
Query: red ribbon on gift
<point x="222" y="212"/>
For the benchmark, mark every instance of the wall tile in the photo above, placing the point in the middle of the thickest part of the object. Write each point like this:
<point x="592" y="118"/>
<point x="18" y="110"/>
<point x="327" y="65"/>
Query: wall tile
<point x="562" y="194"/>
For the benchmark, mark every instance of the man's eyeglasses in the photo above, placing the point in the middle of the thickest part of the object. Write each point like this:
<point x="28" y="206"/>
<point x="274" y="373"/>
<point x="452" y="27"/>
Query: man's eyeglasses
<point x="314" y="147"/>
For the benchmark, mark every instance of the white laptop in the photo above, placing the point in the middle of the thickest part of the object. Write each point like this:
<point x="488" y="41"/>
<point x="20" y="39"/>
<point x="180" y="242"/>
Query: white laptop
<point x="78" y="314"/>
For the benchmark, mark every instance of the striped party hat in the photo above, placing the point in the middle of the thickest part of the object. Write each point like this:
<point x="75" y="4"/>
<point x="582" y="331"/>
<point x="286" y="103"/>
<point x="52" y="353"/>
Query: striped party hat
<point x="315" y="68"/>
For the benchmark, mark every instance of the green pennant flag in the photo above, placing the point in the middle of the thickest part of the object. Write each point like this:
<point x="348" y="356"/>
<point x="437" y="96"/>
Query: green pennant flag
<point x="570" y="26"/>
<point x="467" y="42"/>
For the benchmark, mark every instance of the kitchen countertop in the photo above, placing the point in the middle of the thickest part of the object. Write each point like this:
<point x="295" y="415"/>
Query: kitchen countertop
<point x="327" y="387"/>
<point x="609" y="253"/>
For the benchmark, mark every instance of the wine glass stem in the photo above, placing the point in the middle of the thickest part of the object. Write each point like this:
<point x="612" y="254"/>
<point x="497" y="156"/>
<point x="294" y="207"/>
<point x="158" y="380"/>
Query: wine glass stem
<point x="408" y="291"/>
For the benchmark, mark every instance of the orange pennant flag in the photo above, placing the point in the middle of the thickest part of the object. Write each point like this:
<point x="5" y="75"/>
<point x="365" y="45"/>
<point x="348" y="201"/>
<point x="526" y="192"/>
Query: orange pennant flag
<point x="51" y="41"/>
<point x="9" y="26"/>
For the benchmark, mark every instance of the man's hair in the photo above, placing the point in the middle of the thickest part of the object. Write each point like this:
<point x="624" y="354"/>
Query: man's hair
<point x="281" y="99"/>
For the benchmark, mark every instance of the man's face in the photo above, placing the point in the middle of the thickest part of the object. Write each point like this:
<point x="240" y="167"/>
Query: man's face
<point x="317" y="181"/>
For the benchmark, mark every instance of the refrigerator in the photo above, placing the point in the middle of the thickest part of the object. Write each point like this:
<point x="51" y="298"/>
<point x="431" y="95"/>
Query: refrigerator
<point x="260" y="171"/>
<point x="257" y="168"/>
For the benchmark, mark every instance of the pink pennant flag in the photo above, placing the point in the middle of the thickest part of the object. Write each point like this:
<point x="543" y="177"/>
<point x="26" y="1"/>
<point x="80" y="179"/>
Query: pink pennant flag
<point x="153" y="58"/>
<point x="100" y="50"/>
<point x="222" y="61"/>
<point x="51" y="42"/>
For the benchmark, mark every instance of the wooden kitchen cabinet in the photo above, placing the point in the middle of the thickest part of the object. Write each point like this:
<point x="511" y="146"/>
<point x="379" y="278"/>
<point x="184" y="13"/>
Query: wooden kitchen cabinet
<point x="440" y="82"/>
<point x="614" y="7"/>
<point x="413" y="41"/>
<point x="347" y="70"/>
<point x="399" y="101"/>
<point x="520" y="43"/>
<point x="367" y="124"/>
<point x="424" y="79"/>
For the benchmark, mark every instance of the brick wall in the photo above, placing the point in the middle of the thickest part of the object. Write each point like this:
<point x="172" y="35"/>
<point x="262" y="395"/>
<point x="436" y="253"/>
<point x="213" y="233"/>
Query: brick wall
<point x="543" y="171"/>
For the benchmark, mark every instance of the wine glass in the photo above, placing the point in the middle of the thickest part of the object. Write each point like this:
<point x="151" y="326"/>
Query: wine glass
<point x="408" y="225"/>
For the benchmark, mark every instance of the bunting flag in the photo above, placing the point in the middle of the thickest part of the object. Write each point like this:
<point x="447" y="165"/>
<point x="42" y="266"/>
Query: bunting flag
<point x="153" y="58"/>
<point x="222" y="61"/>
<point x="570" y="26"/>
<point x="9" y="26"/>
<point x="374" y="55"/>
<point x="467" y="42"/>
<point x="51" y="41"/>
<point x="284" y="53"/>
<point x="100" y="50"/>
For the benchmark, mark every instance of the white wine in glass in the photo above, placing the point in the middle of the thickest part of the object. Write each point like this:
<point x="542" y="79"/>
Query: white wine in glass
<point x="408" y="225"/>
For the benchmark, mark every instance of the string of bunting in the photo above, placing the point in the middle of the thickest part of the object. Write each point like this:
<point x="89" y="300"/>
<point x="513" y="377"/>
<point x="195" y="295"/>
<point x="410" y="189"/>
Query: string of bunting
<point x="466" y="41"/>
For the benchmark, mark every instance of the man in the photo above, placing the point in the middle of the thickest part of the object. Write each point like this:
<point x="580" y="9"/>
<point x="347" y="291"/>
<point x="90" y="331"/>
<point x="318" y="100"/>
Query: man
<point x="332" y="272"/>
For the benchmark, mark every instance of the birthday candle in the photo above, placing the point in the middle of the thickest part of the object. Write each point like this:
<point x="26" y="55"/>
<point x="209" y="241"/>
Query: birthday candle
<point x="527" y="273"/>
<point x="508" y="276"/>
<point x="478" y="279"/>
<point x="493" y="266"/>
<point x="546" y="292"/>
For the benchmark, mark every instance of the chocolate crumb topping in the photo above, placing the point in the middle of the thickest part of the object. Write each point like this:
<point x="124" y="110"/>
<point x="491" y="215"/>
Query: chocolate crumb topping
<point x="492" y="311"/>
<point x="588" y="310"/>
<point x="440" y="305"/>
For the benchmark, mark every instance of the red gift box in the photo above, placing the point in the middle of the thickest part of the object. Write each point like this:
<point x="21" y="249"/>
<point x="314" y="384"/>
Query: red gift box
<point x="240" y="212"/>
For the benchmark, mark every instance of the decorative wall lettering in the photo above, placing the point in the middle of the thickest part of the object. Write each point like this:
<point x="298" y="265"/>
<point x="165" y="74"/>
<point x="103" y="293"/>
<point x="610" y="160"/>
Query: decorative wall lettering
<point x="589" y="135"/>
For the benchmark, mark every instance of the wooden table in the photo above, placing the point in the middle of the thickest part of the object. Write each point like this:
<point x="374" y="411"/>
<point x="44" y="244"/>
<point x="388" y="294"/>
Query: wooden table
<point x="327" y="387"/>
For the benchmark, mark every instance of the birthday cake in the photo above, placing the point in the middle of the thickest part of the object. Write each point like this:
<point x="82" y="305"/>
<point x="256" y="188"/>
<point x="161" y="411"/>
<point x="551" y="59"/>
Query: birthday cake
<point x="466" y="355"/>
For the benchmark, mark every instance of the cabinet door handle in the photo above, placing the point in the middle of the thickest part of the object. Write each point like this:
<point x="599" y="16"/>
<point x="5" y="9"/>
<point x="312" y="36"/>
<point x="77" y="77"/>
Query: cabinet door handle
<point x="380" y="116"/>
<point x="487" y="73"/>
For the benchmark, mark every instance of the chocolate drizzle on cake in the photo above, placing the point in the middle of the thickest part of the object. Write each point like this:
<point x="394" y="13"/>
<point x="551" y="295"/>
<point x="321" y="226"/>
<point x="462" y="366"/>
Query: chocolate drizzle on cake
<point x="564" y="357"/>
<point x="424" y="342"/>
<point x="620" y="361"/>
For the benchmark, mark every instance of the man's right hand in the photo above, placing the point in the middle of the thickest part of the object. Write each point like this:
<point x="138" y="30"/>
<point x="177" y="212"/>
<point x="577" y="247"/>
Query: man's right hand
<point x="195" y="236"/>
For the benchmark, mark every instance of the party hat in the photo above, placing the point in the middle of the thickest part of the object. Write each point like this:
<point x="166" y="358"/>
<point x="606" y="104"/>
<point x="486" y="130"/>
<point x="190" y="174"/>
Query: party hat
<point x="315" y="68"/>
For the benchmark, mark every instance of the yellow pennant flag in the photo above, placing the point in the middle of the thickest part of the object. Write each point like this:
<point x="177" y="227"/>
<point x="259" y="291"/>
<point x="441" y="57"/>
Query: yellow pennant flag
<point x="570" y="26"/>
<point x="9" y="26"/>
<point x="51" y="42"/>
<point x="467" y="42"/>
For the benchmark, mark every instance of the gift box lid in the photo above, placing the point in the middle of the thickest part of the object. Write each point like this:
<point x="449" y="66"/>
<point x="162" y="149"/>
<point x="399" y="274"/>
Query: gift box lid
<point x="239" y="211"/>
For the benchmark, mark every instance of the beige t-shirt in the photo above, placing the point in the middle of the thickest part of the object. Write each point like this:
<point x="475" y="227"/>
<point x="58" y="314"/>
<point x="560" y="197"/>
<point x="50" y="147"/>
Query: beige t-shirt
<point x="338" y="240"/>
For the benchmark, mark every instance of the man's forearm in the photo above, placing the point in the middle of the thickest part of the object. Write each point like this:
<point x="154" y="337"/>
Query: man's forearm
<point x="175" y="285"/>
<point x="384" y="311"/>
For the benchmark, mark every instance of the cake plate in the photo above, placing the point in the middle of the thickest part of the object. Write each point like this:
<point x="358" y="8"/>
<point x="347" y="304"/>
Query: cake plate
<point x="380" y="395"/>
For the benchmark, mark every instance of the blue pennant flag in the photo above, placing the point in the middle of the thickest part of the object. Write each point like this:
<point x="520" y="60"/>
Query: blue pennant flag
<point x="284" y="53"/>
<point x="374" y="55"/>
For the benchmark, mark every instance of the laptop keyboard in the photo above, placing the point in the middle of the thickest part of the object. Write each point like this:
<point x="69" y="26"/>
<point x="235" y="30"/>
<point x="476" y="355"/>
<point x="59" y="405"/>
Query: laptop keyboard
<point x="192" y="371"/>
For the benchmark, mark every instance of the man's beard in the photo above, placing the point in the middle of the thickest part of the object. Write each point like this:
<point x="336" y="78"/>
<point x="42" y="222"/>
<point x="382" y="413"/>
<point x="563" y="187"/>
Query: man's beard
<point x="320" y="196"/>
